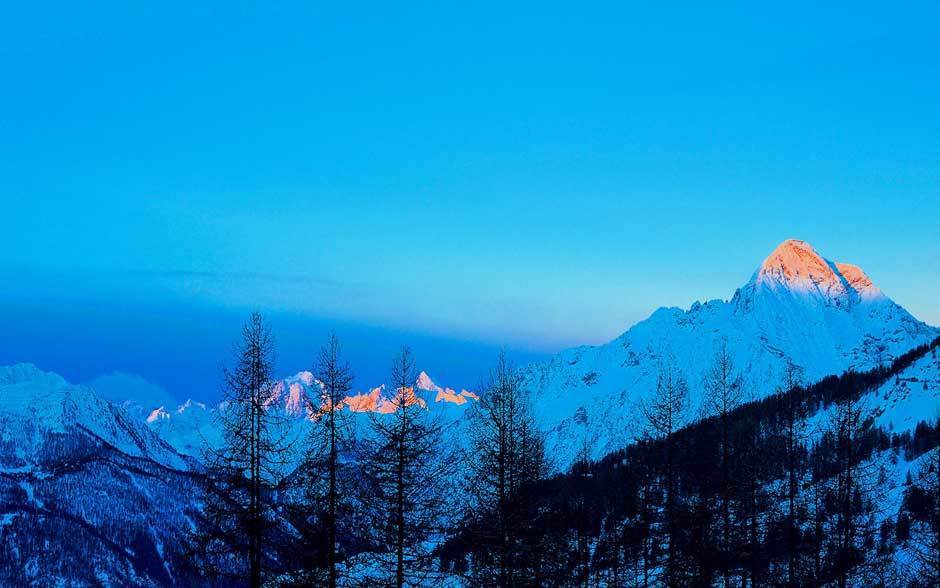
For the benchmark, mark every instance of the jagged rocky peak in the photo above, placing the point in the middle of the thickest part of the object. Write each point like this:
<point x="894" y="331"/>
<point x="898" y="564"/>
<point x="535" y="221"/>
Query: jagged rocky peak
<point x="158" y="414"/>
<point x="796" y="267"/>
<point x="424" y="382"/>
<point x="858" y="280"/>
<point x="794" y="261"/>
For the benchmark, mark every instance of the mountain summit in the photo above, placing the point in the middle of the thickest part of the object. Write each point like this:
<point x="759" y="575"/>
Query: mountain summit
<point x="798" y="307"/>
<point x="795" y="267"/>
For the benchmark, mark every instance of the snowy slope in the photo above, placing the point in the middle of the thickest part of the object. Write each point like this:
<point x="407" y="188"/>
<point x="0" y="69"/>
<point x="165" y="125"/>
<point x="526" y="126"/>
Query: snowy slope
<point x="912" y="397"/>
<point x="798" y="307"/>
<point x="34" y="403"/>
<point x="189" y="427"/>
<point x="83" y="481"/>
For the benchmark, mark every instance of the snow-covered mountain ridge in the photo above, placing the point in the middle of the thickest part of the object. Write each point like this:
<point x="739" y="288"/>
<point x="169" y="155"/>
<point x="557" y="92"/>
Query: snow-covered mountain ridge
<point x="35" y="404"/>
<point x="826" y="317"/>
<point x="913" y="396"/>
<point x="192" y="425"/>
<point x="82" y="480"/>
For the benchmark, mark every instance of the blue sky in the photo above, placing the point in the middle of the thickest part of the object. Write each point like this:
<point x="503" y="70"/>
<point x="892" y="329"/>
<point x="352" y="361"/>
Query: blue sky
<point x="461" y="177"/>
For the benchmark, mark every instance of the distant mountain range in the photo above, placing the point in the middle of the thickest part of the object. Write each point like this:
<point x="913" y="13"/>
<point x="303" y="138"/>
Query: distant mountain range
<point x="192" y="425"/>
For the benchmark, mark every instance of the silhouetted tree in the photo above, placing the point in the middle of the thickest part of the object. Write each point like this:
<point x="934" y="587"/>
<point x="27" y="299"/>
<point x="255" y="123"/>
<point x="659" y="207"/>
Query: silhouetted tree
<point x="506" y="453"/>
<point x="753" y="502"/>
<point x="582" y="552"/>
<point x="665" y="414"/>
<point x="794" y="411"/>
<point x="724" y="392"/>
<point x="231" y="541"/>
<point x="850" y="491"/>
<point x="408" y="467"/>
<point x="328" y="485"/>
<point x="922" y="500"/>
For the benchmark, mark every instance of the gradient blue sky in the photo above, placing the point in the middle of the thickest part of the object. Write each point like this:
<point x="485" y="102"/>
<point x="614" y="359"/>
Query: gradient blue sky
<point x="461" y="177"/>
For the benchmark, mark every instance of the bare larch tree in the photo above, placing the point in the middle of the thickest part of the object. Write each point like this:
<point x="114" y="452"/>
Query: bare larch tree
<point x="505" y="453"/>
<point x="665" y="414"/>
<point x="231" y="542"/>
<point x="408" y="467"/>
<point x="724" y="391"/>
<point x="328" y="489"/>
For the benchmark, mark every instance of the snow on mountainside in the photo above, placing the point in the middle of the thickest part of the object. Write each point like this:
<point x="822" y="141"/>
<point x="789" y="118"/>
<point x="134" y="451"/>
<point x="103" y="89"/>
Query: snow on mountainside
<point x="912" y="397"/>
<point x="188" y="427"/>
<point x="798" y="307"/>
<point x="83" y="481"/>
<point x="34" y="403"/>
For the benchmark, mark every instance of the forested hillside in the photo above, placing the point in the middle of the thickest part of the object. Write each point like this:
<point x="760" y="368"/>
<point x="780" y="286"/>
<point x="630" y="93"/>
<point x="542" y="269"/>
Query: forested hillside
<point x="800" y="488"/>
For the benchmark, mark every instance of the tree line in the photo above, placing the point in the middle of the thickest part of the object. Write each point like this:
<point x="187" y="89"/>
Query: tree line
<point x="789" y="490"/>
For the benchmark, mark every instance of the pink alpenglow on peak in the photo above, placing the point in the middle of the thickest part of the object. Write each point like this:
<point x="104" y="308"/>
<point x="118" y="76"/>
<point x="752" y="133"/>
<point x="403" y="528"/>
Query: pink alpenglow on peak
<point x="450" y="395"/>
<point x="375" y="401"/>
<point x="303" y="398"/>
<point x="795" y="266"/>
<point x="158" y="414"/>
<point x="857" y="279"/>
<point x="365" y="402"/>
<point x="424" y="382"/>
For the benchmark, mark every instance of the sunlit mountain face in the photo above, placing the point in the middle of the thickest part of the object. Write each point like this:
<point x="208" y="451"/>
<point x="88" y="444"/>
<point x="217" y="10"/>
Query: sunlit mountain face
<point x="799" y="307"/>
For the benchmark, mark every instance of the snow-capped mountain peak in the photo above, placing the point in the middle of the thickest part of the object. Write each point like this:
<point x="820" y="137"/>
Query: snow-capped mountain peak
<point x="23" y="373"/>
<point x="424" y="382"/>
<point x="795" y="267"/>
<point x="799" y="307"/>
<point x="447" y="395"/>
<point x="157" y="414"/>
<point x="192" y="424"/>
